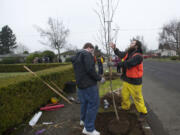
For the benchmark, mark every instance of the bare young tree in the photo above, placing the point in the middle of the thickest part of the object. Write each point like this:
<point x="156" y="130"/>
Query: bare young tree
<point x="170" y="34"/>
<point x="106" y="11"/>
<point x="56" y="35"/>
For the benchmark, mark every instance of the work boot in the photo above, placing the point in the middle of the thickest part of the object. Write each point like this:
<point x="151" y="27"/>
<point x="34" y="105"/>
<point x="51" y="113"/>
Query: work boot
<point x="142" y="117"/>
<point x="94" y="132"/>
<point x="81" y="123"/>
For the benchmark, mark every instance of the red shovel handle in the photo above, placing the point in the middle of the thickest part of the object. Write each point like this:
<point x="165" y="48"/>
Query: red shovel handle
<point x="51" y="107"/>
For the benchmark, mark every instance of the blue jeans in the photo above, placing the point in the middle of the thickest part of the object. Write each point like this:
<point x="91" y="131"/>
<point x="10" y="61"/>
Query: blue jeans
<point x="89" y="98"/>
<point x="100" y="69"/>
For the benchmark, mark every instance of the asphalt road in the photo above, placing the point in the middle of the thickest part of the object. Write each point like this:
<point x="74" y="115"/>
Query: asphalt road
<point x="161" y="89"/>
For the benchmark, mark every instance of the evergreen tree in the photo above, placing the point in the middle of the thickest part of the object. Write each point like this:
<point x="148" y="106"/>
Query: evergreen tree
<point x="7" y="40"/>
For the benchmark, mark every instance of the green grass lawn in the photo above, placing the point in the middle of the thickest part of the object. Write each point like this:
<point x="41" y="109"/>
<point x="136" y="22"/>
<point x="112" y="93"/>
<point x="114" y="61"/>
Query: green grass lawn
<point x="104" y="88"/>
<point x="5" y="76"/>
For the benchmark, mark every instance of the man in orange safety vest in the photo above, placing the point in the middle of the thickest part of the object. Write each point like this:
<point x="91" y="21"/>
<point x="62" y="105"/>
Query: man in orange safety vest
<point x="132" y="65"/>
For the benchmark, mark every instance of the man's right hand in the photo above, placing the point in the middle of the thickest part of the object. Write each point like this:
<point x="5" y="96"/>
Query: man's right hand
<point x="112" y="45"/>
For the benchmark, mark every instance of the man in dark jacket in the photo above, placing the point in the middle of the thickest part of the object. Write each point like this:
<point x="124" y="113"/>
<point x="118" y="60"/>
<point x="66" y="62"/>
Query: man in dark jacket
<point x="132" y="66"/>
<point x="86" y="79"/>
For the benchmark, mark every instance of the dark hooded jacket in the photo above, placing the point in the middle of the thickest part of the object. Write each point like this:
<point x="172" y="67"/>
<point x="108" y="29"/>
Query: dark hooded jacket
<point x="130" y="62"/>
<point x="84" y="68"/>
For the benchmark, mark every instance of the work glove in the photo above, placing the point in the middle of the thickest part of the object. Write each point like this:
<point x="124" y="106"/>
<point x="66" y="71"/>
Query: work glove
<point x="111" y="64"/>
<point x="102" y="80"/>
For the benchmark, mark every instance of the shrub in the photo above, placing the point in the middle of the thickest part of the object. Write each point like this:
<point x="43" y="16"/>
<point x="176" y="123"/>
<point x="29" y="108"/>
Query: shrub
<point x="68" y="59"/>
<point x="31" y="57"/>
<point x="49" y="54"/>
<point x="34" y="67"/>
<point x="174" y="57"/>
<point x="45" y="54"/>
<point x="25" y="52"/>
<point x="11" y="60"/>
<point x="20" y="97"/>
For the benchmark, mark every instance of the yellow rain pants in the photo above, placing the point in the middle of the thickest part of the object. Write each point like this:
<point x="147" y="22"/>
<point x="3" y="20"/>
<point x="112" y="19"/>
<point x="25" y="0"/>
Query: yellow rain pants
<point x="136" y="92"/>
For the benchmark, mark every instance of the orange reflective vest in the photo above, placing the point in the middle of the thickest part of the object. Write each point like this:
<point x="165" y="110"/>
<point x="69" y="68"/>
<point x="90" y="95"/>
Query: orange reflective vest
<point x="136" y="71"/>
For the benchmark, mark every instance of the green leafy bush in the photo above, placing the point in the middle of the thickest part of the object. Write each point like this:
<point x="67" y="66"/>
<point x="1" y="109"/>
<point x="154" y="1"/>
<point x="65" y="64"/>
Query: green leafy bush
<point x="20" y="97"/>
<point x="68" y="59"/>
<point x="49" y="54"/>
<point x="44" y="54"/>
<point x="174" y="57"/>
<point x="31" y="57"/>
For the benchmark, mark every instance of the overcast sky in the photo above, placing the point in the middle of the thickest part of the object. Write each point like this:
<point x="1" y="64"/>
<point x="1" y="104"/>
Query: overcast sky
<point x="134" y="17"/>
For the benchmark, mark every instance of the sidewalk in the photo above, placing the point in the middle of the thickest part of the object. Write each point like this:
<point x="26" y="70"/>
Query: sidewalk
<point x="65" y="120"/>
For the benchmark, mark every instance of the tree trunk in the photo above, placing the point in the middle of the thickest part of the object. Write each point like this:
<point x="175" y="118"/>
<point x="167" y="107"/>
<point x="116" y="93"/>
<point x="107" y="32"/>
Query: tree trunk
<point x="58" y="49"/>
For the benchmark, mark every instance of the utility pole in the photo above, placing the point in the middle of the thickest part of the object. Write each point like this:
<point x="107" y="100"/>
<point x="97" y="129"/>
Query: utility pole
<point x="178" y="39"/>
<point x="109" y="29"/>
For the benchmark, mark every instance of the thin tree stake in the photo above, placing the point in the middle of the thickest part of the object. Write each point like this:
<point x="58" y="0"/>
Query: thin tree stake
<point x="114" y="103"/>
<point x="57" y="87"/>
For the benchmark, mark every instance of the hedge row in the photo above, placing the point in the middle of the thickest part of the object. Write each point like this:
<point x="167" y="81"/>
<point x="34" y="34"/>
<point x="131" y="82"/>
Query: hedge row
<point x="175" y="57"/>
<point x="34" y="67"/>
<point x="20" y="97"/>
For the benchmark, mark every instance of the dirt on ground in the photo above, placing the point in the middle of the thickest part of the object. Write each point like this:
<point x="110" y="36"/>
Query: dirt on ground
<point x="107" y="123"/>
<point x="66" y="121"/>
<point x="108" y="97"/>
<point x="127" y="124"/>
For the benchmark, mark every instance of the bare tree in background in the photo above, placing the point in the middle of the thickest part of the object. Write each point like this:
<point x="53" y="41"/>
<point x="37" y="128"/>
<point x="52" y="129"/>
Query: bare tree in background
<point x="56" y="35"/>
<point x="170" y="35"/>
<point x="71" y="47"/>
<point x="106" y="11"/>
<point x="21" y="48"/>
